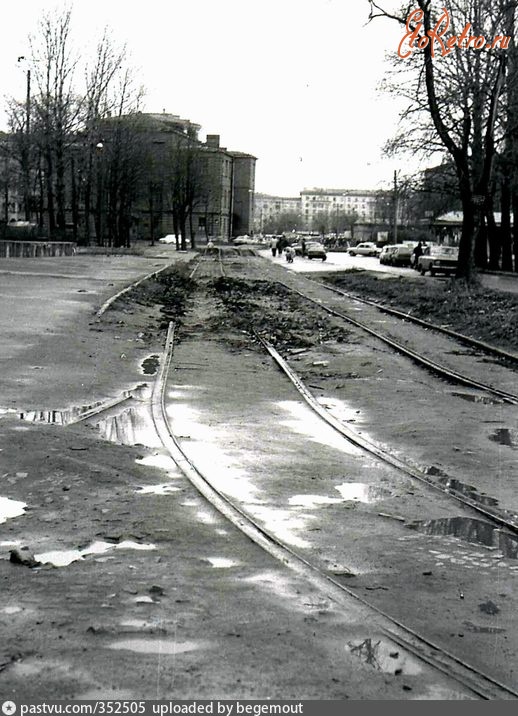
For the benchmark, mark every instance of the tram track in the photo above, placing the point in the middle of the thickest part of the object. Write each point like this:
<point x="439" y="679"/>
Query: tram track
<point x="468" y="676"/>
<point x="421" y="360"/>
<point x="462" y="338"/>
<point x="463" y="673"/>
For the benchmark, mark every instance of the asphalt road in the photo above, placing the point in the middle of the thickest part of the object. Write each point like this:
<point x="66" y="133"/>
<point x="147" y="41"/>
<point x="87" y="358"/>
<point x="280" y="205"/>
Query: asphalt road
<point x="343" y="261"/>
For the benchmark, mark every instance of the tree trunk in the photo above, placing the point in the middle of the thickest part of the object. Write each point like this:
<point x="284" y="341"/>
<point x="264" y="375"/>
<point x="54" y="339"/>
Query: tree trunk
<point x="466" y="245"/>
<point x="508" y="260"/>
<point x="505" y="248"/>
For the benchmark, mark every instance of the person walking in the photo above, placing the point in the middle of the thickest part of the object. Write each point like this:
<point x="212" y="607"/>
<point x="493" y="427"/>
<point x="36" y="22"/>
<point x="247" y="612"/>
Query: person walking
<point x="416" y="253"/>
<point x="273" y="246"/>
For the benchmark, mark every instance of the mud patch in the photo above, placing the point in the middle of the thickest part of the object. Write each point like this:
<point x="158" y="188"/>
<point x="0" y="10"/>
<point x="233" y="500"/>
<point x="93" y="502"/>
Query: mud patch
<point x="150" y="365"/>
<point x="505" y="436"/>
<point x="477" y="398"/>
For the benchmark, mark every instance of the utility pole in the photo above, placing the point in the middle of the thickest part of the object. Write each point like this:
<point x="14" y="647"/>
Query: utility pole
<point x="26" y="152"/>
<point x="394" y="230"/>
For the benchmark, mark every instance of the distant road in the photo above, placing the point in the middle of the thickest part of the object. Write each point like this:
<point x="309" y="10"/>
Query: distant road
<point x="343" y="261"/>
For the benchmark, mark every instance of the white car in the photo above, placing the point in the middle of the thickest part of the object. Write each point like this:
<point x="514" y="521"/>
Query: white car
<point x="169" y="239"/>
<point x="366" y="248"/>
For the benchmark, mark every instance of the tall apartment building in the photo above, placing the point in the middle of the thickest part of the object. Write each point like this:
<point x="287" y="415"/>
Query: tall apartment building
<point x="268" y="207"/>
<point x="338" y="201"/>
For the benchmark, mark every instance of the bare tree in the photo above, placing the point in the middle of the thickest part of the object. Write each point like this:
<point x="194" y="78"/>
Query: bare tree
<point x="454" y="98"/>
<point x="56" y="108"/>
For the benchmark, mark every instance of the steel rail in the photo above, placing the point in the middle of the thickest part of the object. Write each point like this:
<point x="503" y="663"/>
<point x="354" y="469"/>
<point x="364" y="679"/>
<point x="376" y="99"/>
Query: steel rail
<point x="455" y="668"/>
<point x="359" y="441"/>
<point x="437" y="368"/>
<point x="120" y="293"/>
<point x="468" y="340"/>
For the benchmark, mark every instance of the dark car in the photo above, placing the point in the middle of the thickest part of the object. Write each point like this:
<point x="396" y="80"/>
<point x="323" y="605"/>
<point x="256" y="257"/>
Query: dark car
<point x="315" y="250"/>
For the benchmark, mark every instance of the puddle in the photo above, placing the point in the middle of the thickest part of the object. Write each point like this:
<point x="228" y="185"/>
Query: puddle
<point x="478" y="398"/>
<point x="204" y="448"/>
<point x="456" y="486"/>
<point x="164" y="462"/>
<point x="305" y="422"/>
<point x="69" y="415"/>
<point x="282" y="523"/>
<point x="157" y="646"/>
<point x="222" y="562"/>
<point x="62" y="558"/>
<point x="505" y="436"/>
<point x="340" y="410"/>
<point x="144" y="599"/>
<point x="472" y="531"/>
<point x="133" y="426"/>
<point x="11" y="610"/>
<point x="359" y="492"/>
<point x="150" y="364"/>
<point x="56" y="417"/>
<point x="10" y="508"/>
<point x="165" y="488"/>
<point x="312" y="500"/>
<point x="384" y="656"/>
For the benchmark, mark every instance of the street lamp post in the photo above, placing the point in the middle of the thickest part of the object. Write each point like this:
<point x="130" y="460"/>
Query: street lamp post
<point x="99" y="228"/>
<point x="394" y="231"/>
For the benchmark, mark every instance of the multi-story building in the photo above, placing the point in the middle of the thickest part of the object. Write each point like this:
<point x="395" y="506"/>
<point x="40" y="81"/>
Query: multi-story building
<point x="332" y="202"/>
<point x="267" y="208"/>
<point x="222" y="207"/>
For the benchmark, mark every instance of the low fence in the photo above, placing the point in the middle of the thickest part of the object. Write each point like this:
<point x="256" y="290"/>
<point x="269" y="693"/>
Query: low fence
<point x="34" y="249"/>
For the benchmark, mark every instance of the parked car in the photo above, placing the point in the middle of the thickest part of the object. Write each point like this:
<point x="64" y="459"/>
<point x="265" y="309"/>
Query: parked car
<point x="366" y="248"/>
<point x="297" y="248"/>
<point x="400" y="255"/>
<point x="169" y="239"/>
<point x="438" y="259"/>
<point x="314" y="250"/>
<point x="386" y="252"/>
<point x="239" y="240"/>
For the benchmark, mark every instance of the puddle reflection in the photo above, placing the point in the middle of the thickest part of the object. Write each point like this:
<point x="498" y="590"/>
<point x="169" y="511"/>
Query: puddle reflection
<point x="470" y="530"/>
<point x="359" y="492"/>
<point x="384" y="656"/>
<point x="456" y="486"/>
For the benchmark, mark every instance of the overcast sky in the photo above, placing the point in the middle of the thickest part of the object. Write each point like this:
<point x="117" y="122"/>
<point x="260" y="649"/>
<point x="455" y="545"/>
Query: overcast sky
<point x="294" y="82"/>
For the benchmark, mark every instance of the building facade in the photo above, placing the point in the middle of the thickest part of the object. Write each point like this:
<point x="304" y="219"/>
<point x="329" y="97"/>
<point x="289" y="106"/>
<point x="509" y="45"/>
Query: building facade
<point x="333" y="202"/>
<point x="267" y="208"/>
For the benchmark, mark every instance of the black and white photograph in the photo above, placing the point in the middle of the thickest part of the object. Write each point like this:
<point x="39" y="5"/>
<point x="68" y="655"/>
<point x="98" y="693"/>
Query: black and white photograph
<point x="258" y="355"/>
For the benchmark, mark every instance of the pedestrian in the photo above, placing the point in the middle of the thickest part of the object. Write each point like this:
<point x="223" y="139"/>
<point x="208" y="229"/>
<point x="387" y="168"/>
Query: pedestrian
<point x="280" y="245"/>
<point x="273" y="246"/>
<point x="416" y="253"/>
<point x="290" y="253"/>
<point x="303" y="247"/>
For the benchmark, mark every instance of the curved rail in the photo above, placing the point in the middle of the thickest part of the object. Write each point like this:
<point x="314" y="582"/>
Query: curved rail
<point x="468" y="340"/>
<point x="359" y="441"/>
<point x="437" y="368"/>
<point x="468" y="676"/>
